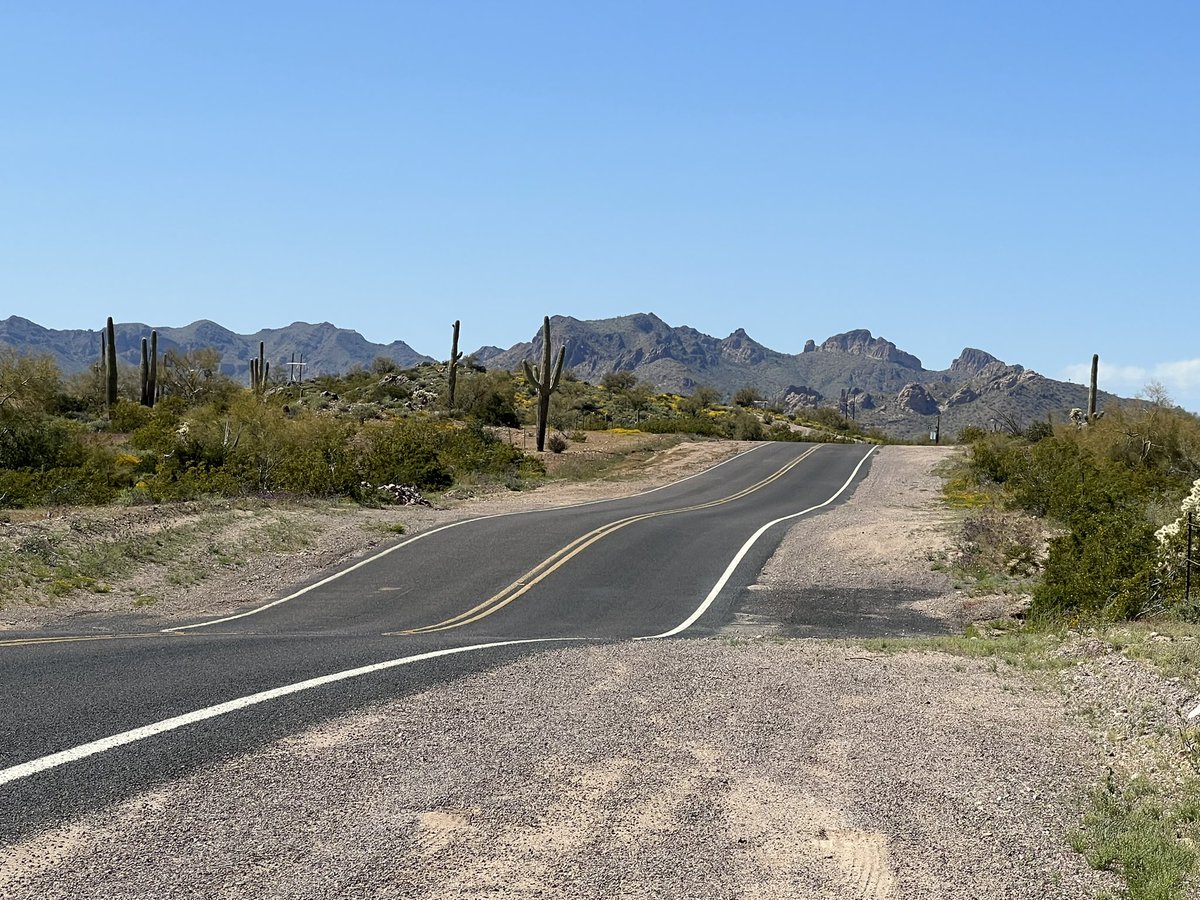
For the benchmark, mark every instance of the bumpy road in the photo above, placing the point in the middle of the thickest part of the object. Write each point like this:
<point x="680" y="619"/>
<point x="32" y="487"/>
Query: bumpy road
<point x="86" y="719"/>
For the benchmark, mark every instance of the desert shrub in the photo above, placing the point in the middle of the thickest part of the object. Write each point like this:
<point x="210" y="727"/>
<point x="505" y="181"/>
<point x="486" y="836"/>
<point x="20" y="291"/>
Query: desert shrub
<point x="192" y="482"/>
<point x="59" y="486"/>
<point x="316" y="457"/>
<point x="33" y="440"/>
<point x="743" y="426"/>
<point x="403" y="452"/>
<point x="556" y="443"/>
<point x="1107" y="487"/>
<point x="1038" y="431"/>
<point x="487" y="398"/>
<point x="747" y="396"/>
<point x="475" y="452"/>
<point x="996" y="457"/>
<point x="702" y="398"/>
<point x="1099" y="569"/>
<point x="127" y="416"/>
<point x="970" y="435"/>
<point x="29" y="382"/>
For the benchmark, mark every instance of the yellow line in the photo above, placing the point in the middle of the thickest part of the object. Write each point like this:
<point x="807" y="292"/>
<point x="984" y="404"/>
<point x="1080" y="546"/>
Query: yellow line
<point x="562" y="556"/>
<point x="22" y="642"/>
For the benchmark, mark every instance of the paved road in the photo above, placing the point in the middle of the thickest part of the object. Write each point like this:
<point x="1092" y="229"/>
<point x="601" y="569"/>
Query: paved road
<point x="88" y="719"/>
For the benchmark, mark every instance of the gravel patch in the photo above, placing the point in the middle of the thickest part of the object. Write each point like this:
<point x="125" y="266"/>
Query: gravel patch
<point x="869" y="568"/>
<point x="683" y="769"/>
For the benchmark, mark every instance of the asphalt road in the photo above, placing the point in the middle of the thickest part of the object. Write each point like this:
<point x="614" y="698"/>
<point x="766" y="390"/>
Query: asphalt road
<point x="90" y="719"/>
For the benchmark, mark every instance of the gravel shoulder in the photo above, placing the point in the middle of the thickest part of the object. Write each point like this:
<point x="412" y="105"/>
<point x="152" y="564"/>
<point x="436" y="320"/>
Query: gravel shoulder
<point x="729" y="767"/>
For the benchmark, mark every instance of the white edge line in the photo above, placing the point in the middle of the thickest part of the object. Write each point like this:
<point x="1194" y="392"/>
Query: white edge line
<point x="424" y="534"/>
<point x="53" y="760"/>
<point x="741" y="554"/>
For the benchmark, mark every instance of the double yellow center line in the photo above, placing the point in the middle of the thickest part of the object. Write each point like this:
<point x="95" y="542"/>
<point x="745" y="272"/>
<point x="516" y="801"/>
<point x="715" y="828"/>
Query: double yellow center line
<point x="561" y="557"/>
<point x="69" y="639"/>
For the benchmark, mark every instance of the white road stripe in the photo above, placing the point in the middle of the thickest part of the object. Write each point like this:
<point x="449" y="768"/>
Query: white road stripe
<point x="424" y="534"/>
<point x="24" y="770"/>
<point x="728" y="573"/>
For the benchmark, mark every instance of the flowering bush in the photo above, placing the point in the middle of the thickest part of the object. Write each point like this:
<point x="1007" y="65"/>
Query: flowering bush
<point x="1168" y="534"/>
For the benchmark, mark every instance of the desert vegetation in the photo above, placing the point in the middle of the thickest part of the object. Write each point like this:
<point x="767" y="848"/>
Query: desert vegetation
<point x="1090" y="521"/>
<point x="179" y="430"/>
<point x="1109" y="498"/>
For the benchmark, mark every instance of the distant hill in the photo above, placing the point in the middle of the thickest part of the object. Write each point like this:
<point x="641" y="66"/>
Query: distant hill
<point x="325" y="348"/>
<point x="866" y="377"/>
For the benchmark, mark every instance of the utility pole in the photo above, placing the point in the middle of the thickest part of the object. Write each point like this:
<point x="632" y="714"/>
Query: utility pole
<point x="1187" y="580"/>
<point x="296" y="372"/>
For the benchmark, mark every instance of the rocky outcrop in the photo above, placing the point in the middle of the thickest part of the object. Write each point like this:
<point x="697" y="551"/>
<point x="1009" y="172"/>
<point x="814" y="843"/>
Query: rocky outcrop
<point x="915" y="398"/>
<point x="862" y="399"/>
<point x="961" y="396"/>
<point x="810" y="346"/>
<point x="796" y="397"/>
<point x="861" y="343"/>
<point x="971" y="362"/>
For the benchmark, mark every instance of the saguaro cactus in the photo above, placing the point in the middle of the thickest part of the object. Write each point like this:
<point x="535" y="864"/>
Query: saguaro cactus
<point x="544" y="382"/>
<point x="259" y="370"/>
<point x="452" y="368"/>
<point x="152" y="385"/>
<point x="1091" y="411"/>
<point x="110" y="360"/>
<point x="145" y="373"/>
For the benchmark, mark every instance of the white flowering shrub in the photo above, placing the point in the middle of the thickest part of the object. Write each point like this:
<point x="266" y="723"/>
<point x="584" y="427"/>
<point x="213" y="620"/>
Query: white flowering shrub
<point x="1172" y="537"/>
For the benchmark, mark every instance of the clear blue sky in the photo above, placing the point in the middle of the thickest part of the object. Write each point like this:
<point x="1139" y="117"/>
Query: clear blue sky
<point x="1019" y="177"/>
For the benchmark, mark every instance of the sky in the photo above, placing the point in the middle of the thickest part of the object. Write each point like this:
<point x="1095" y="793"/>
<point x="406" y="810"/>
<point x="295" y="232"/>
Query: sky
<point x="1020" y="177"/>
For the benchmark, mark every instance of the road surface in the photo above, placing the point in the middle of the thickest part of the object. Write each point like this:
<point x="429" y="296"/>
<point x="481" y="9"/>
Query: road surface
<point x="89" y="719"/>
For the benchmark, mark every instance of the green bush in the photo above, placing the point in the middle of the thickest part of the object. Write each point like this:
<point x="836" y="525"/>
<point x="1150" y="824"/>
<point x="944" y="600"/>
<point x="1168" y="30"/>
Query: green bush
<point x="33" y="440"/>
<point x="128" y="416"/>
<point x="1107" y="488"/>
<point x="742" y="426"/>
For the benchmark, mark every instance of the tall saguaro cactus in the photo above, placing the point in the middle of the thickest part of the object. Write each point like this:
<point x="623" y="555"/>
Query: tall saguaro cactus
<point x="1091" y="413"/>
<point x="145" y="373"/>
<point x="149" y="370"/>
<point x="259" y="370"/>
<point x="110" y="364"/>
<point x="452" y="369"/>
<point x="545" y="383"/>
<point x="152" y="384"/>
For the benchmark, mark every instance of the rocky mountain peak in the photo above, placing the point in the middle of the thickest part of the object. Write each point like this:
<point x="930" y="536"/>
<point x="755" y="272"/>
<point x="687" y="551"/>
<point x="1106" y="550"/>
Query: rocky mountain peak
<point x="743" y="348"/>
<point x="971" y="362"/>
<point x="860" y="342"/>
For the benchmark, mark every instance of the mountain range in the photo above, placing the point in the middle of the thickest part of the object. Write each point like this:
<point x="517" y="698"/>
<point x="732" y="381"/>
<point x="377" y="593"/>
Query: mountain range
<point x="325" y="348"/>
<point x="866" y="377"/>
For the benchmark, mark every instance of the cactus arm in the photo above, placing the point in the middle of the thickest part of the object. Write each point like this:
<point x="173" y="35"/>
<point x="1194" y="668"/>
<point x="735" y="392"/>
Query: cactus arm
<point x="562" y="352"/>
<point x="531" y="374"/>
